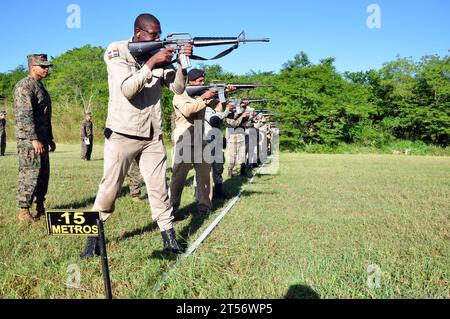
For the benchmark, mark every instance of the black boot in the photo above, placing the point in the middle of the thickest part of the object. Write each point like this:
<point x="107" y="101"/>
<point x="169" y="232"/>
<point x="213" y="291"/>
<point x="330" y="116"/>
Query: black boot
<point x="92" y="248"/>
<point x="243" y="170"/>
<point x="218" y="192"/>
<point x="170" y="242"/>
<point x="40" y="210"/>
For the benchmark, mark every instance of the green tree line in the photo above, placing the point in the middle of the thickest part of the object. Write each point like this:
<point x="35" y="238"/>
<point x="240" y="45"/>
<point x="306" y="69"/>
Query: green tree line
<point x="314" y="103"/>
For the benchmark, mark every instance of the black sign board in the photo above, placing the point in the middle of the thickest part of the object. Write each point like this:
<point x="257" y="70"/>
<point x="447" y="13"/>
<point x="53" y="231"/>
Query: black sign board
<point x="70" y="223"/>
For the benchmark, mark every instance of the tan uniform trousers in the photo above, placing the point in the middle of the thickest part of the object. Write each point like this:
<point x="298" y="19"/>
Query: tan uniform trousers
<point x="236" y="149"/>
<point x="119" y="153"/>
<point x="203" y="176"/>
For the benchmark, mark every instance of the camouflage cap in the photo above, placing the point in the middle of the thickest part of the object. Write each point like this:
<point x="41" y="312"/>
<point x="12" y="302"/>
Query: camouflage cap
<point x="38" y="59"/>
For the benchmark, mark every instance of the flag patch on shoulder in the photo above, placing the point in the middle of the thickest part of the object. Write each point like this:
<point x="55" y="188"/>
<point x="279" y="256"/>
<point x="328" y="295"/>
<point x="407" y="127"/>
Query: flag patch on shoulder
<point x="113" y="54"/>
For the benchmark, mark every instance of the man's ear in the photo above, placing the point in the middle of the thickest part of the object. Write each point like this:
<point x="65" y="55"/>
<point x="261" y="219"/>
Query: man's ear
<point x="138" y="33"/>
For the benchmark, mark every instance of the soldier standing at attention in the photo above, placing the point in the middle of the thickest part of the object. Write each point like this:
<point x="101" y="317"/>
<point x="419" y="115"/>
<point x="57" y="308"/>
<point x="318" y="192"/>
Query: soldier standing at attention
<point x="134" y="127"/>
<point x="2" y="133"/>
<point x="33" y="130"/>
<point x="87" y="137"/>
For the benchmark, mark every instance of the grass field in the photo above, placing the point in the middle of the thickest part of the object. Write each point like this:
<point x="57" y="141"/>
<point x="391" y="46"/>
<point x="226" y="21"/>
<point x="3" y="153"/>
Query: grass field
<point x="310" y="231"/>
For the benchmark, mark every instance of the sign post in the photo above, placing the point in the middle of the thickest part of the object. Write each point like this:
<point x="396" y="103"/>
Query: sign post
<point x="105" y="268"/>
<point x="81" y="223"/>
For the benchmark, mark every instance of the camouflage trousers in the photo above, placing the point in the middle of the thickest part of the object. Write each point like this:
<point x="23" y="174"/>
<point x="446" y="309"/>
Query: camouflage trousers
<point x="2" y="143"/>
<point x="34" y="174"/>
<point x="236" y="149"/>
<point x="86" y="150"/>
<point x="136" y="179"/>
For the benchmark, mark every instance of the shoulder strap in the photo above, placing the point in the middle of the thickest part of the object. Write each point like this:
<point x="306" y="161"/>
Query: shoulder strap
<point x="220" y="55"/>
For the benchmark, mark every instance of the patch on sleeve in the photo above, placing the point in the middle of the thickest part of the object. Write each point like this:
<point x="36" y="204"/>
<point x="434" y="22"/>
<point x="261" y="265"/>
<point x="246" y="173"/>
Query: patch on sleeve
<point x="114" y="53"/>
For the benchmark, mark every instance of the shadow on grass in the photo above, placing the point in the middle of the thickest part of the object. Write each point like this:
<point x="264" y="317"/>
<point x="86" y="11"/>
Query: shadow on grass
<point x="89" y="201"/>
<point x="77" y="205"/>
<point x="185" y="212"/>
<point x="232" y="188"/>
<point x="197" y="220"/>
<point x="301" y="292"/>
<point x="125" y="191"/>
<point x="163" y="255"/>
<point x="137" y="232"/>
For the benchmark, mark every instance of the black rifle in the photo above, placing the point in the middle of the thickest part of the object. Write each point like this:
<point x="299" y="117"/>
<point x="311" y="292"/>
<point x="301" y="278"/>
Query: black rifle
<point x="238" y="105"/>
<point x="220" y="88"/>
<point x="142" y="51"/>
<point x="249" y="101"/>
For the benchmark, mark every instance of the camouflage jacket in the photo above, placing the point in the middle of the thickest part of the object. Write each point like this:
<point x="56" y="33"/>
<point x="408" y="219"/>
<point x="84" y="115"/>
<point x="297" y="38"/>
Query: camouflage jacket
<point x="235" y="120"/>
<point x="33" y="110"/>
<point x="2" y="126"/>
<point x="86" y="129"/>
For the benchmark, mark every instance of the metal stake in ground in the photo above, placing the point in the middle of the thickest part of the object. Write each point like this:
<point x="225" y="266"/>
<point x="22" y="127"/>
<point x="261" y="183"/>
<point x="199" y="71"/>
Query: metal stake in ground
<point x="105" y="268"/>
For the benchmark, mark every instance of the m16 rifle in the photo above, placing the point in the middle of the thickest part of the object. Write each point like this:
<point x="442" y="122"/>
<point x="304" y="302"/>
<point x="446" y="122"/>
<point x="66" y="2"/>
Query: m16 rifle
<point x="220" y="88"/>
<point x="239" y="109"/>
<point x="142" y="51"/>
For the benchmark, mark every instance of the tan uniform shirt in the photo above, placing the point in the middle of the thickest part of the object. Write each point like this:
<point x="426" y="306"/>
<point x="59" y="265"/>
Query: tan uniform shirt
<point x="134" y="106"/>
<point x="188" y="110"/>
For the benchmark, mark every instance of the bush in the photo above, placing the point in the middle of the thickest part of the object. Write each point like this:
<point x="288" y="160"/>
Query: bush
<point x="365" y="135"/>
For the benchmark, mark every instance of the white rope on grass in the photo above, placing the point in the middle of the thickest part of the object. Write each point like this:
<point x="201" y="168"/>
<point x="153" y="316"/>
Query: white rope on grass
<point x="202" y="237"/>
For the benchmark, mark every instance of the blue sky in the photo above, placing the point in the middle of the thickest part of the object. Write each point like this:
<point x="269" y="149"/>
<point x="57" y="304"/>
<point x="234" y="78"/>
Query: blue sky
<point x="321" y="28"/>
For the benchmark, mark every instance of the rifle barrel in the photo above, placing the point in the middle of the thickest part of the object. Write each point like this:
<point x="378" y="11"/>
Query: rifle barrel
<point x="255" y="40"/>
<point x="210" y="41"/>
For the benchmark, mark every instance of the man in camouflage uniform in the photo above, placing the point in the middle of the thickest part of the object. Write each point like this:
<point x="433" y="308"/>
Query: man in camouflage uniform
<point x="2" y="133"/>
<point x="87" y="137"/>
<point x="33" y="130"/>
<point x="236" y="139"/>
<point x="136" y="181"/>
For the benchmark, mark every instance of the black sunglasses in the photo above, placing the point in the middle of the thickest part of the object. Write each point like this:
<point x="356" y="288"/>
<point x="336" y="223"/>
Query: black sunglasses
<point x="153" y="34"/>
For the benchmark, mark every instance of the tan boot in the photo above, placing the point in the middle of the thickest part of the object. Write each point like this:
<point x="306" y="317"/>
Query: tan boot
<point x="25" y="216"/>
